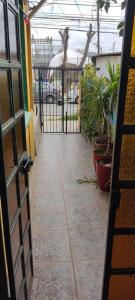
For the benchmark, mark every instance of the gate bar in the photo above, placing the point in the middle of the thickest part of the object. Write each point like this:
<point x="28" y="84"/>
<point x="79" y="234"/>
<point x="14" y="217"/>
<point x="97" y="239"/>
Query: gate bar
<point x="63" y="100"/>
<point x="66" y="121"/>
<point x="56" y="68"/>
<point x="40" y="95"/>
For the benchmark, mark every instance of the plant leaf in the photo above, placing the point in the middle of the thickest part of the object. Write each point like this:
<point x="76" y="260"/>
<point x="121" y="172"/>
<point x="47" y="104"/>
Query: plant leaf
<point x="120" y="25"/>
<point x="107" y="6"/>
<point x="123" y="4"/>
<point x="121" y="32"/>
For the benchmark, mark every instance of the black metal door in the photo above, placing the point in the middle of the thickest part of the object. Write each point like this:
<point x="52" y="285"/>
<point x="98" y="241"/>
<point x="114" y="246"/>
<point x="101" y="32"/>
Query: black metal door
<point x="119" y="273"/>
<point x="16" y="268"/>
<point x="56" y="91"/>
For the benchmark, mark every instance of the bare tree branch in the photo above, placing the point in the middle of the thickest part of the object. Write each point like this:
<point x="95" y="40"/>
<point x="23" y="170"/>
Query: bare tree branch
<point x="64" y="36"/>
<point x="36" y="8"/>
<point x="90" y="35"/>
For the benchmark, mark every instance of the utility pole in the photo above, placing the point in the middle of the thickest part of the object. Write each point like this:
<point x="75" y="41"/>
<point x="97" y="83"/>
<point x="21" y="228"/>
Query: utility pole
<point x="98" y="29"/>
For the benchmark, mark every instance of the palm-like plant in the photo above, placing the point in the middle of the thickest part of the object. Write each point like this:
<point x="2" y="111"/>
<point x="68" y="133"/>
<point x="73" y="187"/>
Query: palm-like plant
<point x="99" y="100"/>
<point x="99" y="106"/>
<point x="92" y="113"/>
<point x="110" y="96"/>
<point x="111" y="90"/>
<point x="87" y="85"/>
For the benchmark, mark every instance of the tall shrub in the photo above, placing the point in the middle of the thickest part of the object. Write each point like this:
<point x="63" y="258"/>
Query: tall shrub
<point x="92" y="113"/>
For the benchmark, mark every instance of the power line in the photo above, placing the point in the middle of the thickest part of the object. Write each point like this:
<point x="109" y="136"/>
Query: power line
<point x="63" y="23"/>
<point x="73" y="4"/>
<point x="61" y="9"/>
<point x="70" y="29"/>
<point x="44" y="14"/>
<point x="77" y="15"/>
<point x="78" y="7"/>
<point x="72" y="18"/>
<point x="84" y="26"/>
<point x="76" y="28"/>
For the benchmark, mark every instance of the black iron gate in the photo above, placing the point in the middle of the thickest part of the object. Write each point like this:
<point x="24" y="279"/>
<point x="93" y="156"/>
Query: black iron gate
<point x="56" y="92"/>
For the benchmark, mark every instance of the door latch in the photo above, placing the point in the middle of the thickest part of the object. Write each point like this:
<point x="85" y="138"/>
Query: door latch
<point x="26" y="164"/>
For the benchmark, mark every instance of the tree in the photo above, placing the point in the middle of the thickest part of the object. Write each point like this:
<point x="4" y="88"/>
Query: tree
<point x="35" y="8"/>
<point x="90" y="35"/>
<point x="65" y="37"/>
<point x="106" y="5"/>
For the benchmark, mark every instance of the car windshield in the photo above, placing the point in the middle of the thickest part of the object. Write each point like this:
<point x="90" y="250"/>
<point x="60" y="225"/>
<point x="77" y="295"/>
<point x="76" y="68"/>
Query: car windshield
<point x="47" y="86"/>
<point x="44" y="85"/>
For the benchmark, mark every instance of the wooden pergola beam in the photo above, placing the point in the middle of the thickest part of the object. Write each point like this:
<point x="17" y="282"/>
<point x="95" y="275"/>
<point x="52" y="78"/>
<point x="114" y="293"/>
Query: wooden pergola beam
<point x="36" y="8"/>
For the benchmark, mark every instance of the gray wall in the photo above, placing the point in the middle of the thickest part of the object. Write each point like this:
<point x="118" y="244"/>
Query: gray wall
<point x="37" y="128"/>
<point x="101" y="62"/>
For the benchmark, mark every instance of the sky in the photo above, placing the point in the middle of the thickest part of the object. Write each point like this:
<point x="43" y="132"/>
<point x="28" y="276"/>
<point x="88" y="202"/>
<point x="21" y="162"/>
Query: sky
<point x="77" y="15"/>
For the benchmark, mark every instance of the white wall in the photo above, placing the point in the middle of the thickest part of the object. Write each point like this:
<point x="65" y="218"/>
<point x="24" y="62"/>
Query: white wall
<point x="101" y="62"/>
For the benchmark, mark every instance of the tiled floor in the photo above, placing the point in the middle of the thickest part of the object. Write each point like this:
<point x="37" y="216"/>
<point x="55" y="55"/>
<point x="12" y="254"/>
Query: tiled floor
<point x="69" y="222"/>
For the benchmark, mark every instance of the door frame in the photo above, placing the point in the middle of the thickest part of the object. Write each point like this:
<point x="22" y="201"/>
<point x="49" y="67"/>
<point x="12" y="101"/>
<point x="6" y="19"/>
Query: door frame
<point x="11" y="65"/>
<point x="118" y="184"/>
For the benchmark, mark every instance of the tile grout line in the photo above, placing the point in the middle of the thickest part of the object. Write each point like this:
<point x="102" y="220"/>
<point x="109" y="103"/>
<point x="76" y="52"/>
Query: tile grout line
<point x="72" y="260"/>
<point x="59" y="261"/>
<point x="61" y="166"/>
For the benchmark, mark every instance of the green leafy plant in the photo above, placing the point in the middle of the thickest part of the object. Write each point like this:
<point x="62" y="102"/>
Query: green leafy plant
<point x="106" y="5"/>
<point x="99" y="106"/>
<point x="110" y="96"/>
<point x="110" y="92"/>
<point x="92" y="113"/>
<point x="87" y="84"/>
<point x="99" y="101"/>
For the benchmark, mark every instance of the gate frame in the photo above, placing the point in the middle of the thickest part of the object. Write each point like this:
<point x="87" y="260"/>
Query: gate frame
<point x="63" y="115"/>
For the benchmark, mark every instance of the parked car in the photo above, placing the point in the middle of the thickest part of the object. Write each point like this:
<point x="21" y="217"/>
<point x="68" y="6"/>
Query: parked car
<point x="49" y="92"/>
<point x="72" y="95"/>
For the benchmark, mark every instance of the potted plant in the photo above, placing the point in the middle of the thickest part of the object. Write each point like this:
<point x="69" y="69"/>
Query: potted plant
<point x="93" y="121"/>
<point x="87" y="109"/>
<point x="101" y="125"/>
<point x="103" y="165"/>
<point x="101" y="149"/>
<point x="103" y="172"/>
<point x="91" y="112"/>
<point x="99" y="99"/>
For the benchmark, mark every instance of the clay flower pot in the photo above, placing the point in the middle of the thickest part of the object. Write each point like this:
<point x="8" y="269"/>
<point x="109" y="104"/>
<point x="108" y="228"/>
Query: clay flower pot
<point x="100" y="155"/>
<point x="101" y="143"/>
<point x="103" y="169"/>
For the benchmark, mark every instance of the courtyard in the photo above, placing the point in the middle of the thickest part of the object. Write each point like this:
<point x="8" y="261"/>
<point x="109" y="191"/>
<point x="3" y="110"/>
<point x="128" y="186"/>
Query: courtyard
<point x="69" y="221"/>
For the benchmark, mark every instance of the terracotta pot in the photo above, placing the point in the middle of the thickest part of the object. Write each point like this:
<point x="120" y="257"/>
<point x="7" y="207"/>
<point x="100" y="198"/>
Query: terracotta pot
<point x="101" y="143"/>
<point x="99" y="155"/>
<point x="93" y="139"/>
<point x="103" y="169"/>
<point x="100" y="146"/>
